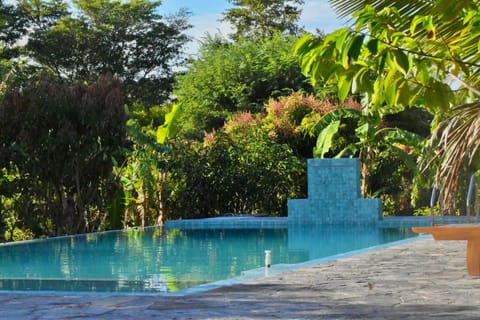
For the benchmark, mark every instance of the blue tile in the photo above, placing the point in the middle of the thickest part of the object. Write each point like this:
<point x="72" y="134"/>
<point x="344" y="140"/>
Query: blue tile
<point x="334" y="195"/>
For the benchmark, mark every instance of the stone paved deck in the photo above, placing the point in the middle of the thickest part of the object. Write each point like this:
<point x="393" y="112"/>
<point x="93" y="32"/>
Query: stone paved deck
<point x="424" y="279"/>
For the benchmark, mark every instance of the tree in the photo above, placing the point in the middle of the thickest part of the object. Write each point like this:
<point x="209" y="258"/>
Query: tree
<point x="128" y="39"/>
<point x="236" y="77"/>
<point x="58" y="144"/>
<point x="398" y="60"/>
<point x="42" y="15"/>
<point x="12" y="28"/>
<point x="263" y="18"/>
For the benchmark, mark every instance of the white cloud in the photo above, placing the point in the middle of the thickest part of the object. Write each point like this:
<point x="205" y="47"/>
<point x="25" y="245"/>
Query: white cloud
<point x="313" y="10"/>
<point x="319" y="15"/>
<point x="203" y="25"/>
<point x="316" y="14"/>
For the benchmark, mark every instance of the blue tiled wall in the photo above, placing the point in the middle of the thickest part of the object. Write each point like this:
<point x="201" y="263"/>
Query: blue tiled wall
<point x="334" y="195"/>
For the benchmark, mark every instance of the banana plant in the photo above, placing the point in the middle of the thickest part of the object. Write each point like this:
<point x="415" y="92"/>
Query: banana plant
<point x="143" y="175"/>
<point x="171" y="126"/>
<point x="371" y="137"/>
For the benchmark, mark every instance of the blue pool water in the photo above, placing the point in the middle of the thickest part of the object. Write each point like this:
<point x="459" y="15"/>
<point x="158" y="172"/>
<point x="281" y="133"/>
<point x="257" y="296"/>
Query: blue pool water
<point x="159" y="260"/>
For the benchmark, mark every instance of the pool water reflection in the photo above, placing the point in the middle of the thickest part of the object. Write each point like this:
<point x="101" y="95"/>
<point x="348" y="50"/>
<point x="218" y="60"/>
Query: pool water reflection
<point x="163" y="260"/>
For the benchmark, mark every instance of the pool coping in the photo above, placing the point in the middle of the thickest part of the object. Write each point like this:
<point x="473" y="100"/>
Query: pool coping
<point x="251" y="221"/>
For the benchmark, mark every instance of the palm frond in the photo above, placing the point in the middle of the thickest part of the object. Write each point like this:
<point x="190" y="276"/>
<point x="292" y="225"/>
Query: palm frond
<point x="407" y="8"/>
<point x="455" y="149"/>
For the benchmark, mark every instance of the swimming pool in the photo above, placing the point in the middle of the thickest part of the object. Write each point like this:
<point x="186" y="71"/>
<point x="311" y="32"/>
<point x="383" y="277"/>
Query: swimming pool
<point x="160" y="260"/>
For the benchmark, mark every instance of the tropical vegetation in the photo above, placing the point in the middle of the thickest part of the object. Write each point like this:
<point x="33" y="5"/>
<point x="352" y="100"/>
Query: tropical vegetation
<point x="105" y="123"/>
<point x="403" y="54"/>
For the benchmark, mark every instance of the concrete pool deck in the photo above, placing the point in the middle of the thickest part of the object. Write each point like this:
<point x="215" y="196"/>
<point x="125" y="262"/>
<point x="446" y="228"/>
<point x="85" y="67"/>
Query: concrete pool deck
<point x="423" y="279"/>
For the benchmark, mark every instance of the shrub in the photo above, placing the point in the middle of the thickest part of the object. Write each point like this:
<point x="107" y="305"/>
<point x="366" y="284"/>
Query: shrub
<point x="224" y="175"/>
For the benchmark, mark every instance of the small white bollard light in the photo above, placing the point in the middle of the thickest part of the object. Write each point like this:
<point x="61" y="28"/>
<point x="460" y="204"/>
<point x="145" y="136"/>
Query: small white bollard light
<point x="268" y="258"/>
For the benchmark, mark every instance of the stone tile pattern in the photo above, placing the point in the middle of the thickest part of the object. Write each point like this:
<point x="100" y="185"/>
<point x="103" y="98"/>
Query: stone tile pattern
<point x="334" y="195"/>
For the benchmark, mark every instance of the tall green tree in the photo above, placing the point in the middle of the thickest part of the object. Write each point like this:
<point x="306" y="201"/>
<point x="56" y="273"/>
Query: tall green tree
<point x="399" y="54"/>
<point x="237" y="77"/>
<point x="12" y="29"/>
<point x="263" y="18"/>
<point x="59" y="142"/>
<point x="42" y="14"/>
<point x="129" y="39"/>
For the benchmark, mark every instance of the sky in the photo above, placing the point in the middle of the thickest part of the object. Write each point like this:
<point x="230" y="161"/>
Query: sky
<point x="316" y="14"/>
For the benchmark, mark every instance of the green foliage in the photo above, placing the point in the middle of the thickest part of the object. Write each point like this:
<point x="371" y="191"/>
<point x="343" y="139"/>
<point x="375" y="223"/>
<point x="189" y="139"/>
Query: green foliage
<point x="325" y="139"/>
<point x="243" y="171"/>
<point x="346" y="132"/>
<point x="59" y="142"/>
<point x="375" y="58"/>
<point x="69" y="164"/>
<point x="12" y="26"/>
<point x="445" y="30"/>
<point x="128" y="39"/>
<point x="263" y="18"/>
<point x="19" y="234"/>
<point x="171" y="126"/>
<point x="236" y="77"/>
<point x="41" y="15"/>
<point x="288" y="119"/>
<point x="427" y="211"/>
<point x="410" y="57"/>
<point x="396" y="60"/>
<point x="457" y="154"/>
<point x="12" y="29"/>
<point x="143" y="172"/>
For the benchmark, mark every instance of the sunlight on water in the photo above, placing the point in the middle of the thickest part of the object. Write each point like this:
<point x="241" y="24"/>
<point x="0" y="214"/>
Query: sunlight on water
<point x="160" y="260"/>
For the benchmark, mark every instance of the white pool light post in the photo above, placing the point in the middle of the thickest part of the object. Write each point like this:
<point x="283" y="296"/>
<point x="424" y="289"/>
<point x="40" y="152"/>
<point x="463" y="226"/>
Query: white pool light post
<point x="268" y="258"/>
